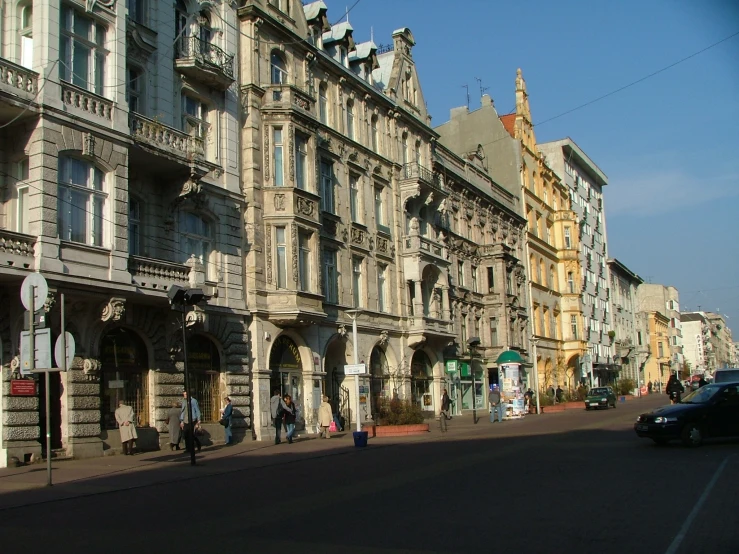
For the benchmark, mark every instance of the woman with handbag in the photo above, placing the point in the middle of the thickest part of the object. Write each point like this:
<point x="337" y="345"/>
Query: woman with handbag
<point x="288" y="417"/>
<point x="226" y="415"/>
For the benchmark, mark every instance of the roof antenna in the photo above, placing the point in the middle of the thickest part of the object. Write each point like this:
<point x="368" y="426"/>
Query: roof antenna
<point x="482" y="88"/>
<point x="372" y="35"/>
<point x="468" y="95"/>
<point x="347" y="13"/>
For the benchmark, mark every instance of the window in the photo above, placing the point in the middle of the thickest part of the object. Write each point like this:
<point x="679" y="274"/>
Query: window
<point x="350" y="119"/>
<point x="80" y="201"/>
<point x="381" y="288"/>
<point x="474" y="279"/>
<point x="417" y="152"/>
<point x="137" y="10"/>
<point x="639" y="340"/>
<point x="26" y="34"/>
<point x="196" y="238"/>
<point x="134" y="227"/>
<point x="194" y="117"/>
<point x="277" y="156"/>
<point x="568" y="238"/>
<point x="330" y="277"/>
<point x="357" y="282"/>
<point x="552" y="281"/>
<point x="463" y="328"/>
<point x="538" y="271"/>
<point x="379" y="209"/>
<point x="573" y="326"/>
<point x="301" y="161"/>
<point x="493" y="331"/>
<point x="282" y="5"/>
<point x="342" y="55"/>
<point x="404" y="145"/>
<point x="304" y="260"/>
<point x="22" y="198"/>
<point x="81" y="51"/>
<point x="278" y="68"/>
<point x="323" y="104"/>
<point x="661" y="350"/>
<point x="181" y="23"/>
<point x="460" y="273"/>
<point x="281" y="257"/>
<point x="571" y="282"/>
<point x="375" y="137"/>
<point x="327" y="187"/>
<point x="354" y="197"/>
<point x="134" y="87"/>
<point x="491" y="279"/>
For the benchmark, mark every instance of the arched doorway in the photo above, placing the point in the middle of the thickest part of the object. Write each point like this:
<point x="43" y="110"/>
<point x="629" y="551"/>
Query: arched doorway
<point x="124" y="376"/>
<point x="204" y="367"/>
<point x="422" y="379"/>
<point x="379" y="379"/>
<point x="286" y="368"/>
<point x="338" y="392"/>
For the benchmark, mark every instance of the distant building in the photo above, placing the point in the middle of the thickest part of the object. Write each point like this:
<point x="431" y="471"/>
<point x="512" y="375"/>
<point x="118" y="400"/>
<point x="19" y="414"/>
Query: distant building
<point x="697" y="347"/>
<point x="624" y="284"/>
<point x="666" y="300"/>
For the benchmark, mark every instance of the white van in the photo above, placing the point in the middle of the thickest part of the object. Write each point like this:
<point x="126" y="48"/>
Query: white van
<point x="726" y="375"/>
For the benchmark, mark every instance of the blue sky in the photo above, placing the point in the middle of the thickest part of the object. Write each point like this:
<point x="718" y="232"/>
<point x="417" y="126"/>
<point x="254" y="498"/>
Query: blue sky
<point x="669" y="145"/>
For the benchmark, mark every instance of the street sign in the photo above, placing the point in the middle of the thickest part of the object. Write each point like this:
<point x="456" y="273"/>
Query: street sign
<point x="40" y="293"/>
<point x="451" y="366"/>
<point x="355" y="369"/>
<point x="43" y="350"/>
<point x="70" y="350"/>
<point x="22" y="387"/>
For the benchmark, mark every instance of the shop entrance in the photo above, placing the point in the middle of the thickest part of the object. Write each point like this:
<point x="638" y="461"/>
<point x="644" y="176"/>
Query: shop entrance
<point x="422" y="382"/>
<point x="287" y="374"/>
<point x="378" y="380"/>
<point x="204" y="366"/>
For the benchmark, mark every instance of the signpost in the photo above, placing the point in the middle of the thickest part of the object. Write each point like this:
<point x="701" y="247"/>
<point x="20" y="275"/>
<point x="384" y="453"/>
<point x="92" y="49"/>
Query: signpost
<point x="356" y="370"/>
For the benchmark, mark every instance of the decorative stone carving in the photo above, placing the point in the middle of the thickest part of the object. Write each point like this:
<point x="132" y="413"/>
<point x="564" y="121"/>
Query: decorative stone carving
<point x="268" y="248"/>
<point x="305" y="207"/>
<point x="279" y="202"/>
<point x="91" y="366"/>
<point x="194" y="318"/>
<point x="384" y="338"/>
<point x="383" y="245"/>
<point x="114" y="309"/>
<point x="50" y="301"/>
<point x="392" y="250"/>
<point x="353" y="156"/>
<point x="294" y="240"/>
<point x="266" y="158"/>
<point x="90" y="4"/>
<point x="344" y="234"/>
<point x="357" y="236"/>
<point x="88" y="144"/>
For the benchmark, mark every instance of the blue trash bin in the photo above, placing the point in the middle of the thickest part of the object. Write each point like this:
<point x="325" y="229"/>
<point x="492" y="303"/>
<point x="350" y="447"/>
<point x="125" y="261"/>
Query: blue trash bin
<point x="360" y="438"/>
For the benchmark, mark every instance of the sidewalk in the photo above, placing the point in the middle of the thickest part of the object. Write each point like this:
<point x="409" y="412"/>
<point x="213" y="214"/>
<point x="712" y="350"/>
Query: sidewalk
<point x="73" y="478"/>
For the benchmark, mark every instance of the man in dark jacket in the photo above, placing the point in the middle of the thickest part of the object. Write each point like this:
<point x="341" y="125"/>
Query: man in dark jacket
<point x="276" y="410"/>
<point x="446" y="404"/>
<point x="674" y="389"/>
<point x="496" y="406"/>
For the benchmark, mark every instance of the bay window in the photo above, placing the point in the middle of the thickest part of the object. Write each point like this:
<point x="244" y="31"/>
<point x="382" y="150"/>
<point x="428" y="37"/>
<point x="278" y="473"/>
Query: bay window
<point x="304" y="265"/>
<point x="277" y="156"/>
<point x="281" y="257"/>
<point x="301" y="161"/>
<point x="82" y="50"/>
<point x="80" y="202"/>
<point x="194" y="116"/>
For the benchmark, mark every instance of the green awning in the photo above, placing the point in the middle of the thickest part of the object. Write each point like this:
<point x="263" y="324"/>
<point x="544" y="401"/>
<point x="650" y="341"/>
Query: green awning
<point x="509" y="357"/>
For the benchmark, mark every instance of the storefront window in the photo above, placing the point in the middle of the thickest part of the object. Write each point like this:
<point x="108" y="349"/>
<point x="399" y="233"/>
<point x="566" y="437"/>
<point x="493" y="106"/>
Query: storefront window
<point x="204" y="366"/>
<point x="379" y="383"/>
<point x="422" y="382"/>
<point x="124" y="376"/>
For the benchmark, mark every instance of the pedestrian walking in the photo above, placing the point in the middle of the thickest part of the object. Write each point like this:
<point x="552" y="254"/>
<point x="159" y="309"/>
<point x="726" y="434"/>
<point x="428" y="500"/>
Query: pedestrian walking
<point x="226" y="416"/>
<point x="674" y="389"/>
<point x="173" y="421"/>
<point x="529" y="399"/>
<point x="496" y="405"/>
<point x="288" y="417"/>
<point x="125" y="418"/>
<point x="276" y="411"/>
<point x="446" y="405"/>
<point x="649" y="387"/>
<point x="185" y="422"/>
<point x="324" y="417"/>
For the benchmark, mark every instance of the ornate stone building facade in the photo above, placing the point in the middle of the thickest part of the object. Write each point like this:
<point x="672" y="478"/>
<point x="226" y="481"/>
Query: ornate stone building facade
<point x="120" y="178"/>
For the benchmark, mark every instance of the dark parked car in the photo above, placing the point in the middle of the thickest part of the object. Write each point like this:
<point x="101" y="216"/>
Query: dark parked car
<point x="711" y="411"/>
<point x="600" y="397"/>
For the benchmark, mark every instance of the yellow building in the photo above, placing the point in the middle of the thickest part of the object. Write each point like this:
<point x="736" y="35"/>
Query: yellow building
<point x="657" y="366"/>
<point x="552" y="251"/>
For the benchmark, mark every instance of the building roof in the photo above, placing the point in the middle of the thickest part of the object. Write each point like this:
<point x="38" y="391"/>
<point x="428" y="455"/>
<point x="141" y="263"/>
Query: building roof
<point x="381" y="75"/>
<point x="509" y="122"/>
<point x="625" y="270"/>
<point x="362" y="51"/>
<point x="571" y="150"/>
<point x="313" y="9"/>
<point x="337" y="32"/>
<point x="509" y="357"/>
<point x="691" y="316"/>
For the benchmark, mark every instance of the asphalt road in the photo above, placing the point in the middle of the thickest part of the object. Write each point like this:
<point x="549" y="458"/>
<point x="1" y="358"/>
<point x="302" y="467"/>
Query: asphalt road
<point x="572" y="482"/>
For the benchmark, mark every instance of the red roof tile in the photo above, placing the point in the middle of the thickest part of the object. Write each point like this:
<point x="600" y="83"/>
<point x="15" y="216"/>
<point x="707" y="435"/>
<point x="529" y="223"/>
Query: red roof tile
<point x="509" y="122"/>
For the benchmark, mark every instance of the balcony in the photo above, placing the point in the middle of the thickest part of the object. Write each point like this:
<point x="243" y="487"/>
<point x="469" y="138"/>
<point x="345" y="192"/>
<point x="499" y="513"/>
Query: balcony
<point x="81" y="100"/>
<point x="157" y="274"/>
<point x="16" y="250"/>
<point x="424" y="328"/>
<point x="167" y="139"/>
<point x="419" y="181"/>
<point x="416" y="245"/>
<point x="204" y="62"/>
<point x="17" y="81"/>
<point x="286" y="96"/>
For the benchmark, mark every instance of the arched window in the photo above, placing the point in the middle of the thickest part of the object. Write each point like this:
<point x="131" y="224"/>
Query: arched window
<point x="80" y="201"/>
<point x="25" y="33"/>
<point x="350" y="119"/>
<point x="204" y="364"/>
<point x="196" y="239"/>
<point x="205" y="33"/>
<point x="323" y="103"/>
<point x="278" y="68"/>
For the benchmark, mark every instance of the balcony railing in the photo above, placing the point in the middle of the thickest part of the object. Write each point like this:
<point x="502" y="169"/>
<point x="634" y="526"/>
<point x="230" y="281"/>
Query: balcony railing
<point x="87" y="101"/>
<point x="18" y="78"/>
<point x="157" y="274"/>
<point x="412" y="244"/>
<point x="162" y="136"/>
<point x="16" y="249"/>
<point x="208" y="55"/>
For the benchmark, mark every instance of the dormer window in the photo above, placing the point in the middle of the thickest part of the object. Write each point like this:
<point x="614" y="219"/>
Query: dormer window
<point x="278" y="68"/>
<point x="343" y="56"/>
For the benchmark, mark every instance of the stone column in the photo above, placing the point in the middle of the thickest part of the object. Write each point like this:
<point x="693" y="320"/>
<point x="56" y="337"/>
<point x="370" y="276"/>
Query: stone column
<point x="445" y="303"/>
<point x="263" y="428"/>
<point x="418" y="300"/>
<point x="81" y="430"/>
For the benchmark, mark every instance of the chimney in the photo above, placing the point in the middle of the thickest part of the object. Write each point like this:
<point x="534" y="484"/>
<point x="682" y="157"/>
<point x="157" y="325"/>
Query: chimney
<point x="487" y="101"/>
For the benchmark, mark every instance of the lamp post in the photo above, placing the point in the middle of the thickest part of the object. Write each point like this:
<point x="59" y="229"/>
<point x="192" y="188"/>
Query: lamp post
<point x="472" y="344"/>
<point x="354" y="314"/>
<point x="534" y="341"/>
<point x="181" y="297"/>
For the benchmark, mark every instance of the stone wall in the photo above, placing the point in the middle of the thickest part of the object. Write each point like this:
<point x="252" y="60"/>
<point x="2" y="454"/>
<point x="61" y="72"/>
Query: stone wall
<point x="19" y="425"/>
<point x="81" y="430"/>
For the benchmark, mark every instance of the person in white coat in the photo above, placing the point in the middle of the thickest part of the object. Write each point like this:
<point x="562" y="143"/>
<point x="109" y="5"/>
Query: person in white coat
<point x="126" y="419"/>
<point x="325" y="417"/>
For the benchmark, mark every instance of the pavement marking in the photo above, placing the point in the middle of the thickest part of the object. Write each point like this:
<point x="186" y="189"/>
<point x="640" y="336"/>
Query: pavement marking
<point x="677" y="541"/>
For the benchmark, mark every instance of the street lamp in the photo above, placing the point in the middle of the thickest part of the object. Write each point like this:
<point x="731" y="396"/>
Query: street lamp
<point x="354" y="314"/>
<point x="472" y="344"/>
<point x="180" y="297"/>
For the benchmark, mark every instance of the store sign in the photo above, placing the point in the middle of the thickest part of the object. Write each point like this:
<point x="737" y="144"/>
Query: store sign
<point x="451" y="366"/>
<point x="22" y="387"/>
<point x="284" y="355"/>
<point x="465" y="369"/>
